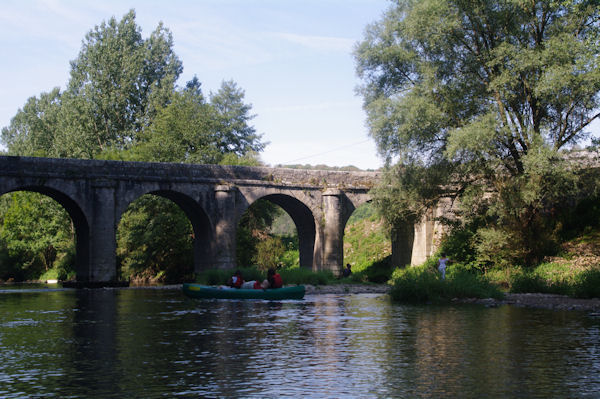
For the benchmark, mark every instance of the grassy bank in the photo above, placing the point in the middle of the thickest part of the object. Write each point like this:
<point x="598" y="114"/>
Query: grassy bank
<point x="423" y="283"/>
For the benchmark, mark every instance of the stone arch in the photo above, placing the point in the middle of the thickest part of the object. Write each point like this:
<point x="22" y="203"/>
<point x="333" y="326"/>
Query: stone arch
<point x="202" y="225"/>
<point x="304" y="220"/>
<point x="80" y="224"/>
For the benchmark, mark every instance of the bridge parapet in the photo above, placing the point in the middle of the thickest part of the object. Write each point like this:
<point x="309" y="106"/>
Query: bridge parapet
<point x="188" y="173"/>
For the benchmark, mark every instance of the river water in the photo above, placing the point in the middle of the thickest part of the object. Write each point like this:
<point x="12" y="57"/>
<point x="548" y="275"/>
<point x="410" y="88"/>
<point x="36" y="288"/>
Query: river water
<point x="150" y="343"/>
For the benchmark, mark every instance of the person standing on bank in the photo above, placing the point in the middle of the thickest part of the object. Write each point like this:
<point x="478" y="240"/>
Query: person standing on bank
<point x="347" y="271"/>
<point x="442" y="264"/>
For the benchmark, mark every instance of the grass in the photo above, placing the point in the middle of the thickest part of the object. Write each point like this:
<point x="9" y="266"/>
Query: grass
<point x="552" y="278"/>
<point x="421" y="284"/>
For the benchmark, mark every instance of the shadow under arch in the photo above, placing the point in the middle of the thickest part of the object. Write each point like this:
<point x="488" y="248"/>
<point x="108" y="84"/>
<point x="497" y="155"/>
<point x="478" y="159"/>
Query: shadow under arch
<point x="201" y="227"/>
<point x="80" y="224"/>
<point x="305" y="225"/>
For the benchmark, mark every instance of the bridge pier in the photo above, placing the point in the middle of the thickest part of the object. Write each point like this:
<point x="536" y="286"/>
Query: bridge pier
<point x="101" y="260"/>
<point x="333" y="242"/>
<point x="225" y="228"/>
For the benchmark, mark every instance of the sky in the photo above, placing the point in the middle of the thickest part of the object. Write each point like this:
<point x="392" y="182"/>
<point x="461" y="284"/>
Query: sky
<point x="293" y="59"/>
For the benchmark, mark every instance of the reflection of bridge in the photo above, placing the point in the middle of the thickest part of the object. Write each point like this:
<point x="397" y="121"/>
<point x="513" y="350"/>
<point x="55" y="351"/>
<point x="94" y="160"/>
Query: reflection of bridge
<point x="96" y="193"/>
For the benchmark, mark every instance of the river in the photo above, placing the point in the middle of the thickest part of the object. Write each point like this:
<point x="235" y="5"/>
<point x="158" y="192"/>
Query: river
<point x="150" y="343"/>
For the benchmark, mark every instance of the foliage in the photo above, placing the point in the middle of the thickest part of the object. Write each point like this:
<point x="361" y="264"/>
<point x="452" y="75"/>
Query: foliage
<point x="31" y="130"/>
<point x="378" y="272"/>
<point x="553" y="278"/>
<point x="587" y="284"/>
<point x="155" y="236"/>
<point x="268" y="252"/>
<point x="422" y="284"/>
<point x="190" y="129"/>
<point x="252" y="229"/>
<point x="300" y="275"/>
<point x="117" y="83"/>
<point x="37" y="234"/>
<point x="319" y="167"/>
<point x="474" y="100"/>
<point x="233" y="129"/>
<point x="365" y="243"/>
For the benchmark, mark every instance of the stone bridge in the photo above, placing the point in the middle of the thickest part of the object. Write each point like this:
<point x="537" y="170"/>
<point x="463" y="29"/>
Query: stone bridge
<point x="96" y="193"/>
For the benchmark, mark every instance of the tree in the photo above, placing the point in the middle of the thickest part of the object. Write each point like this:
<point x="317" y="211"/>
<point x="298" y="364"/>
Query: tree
<point x="36" y="231"/>
<point x="155" y="239"/>
<point x="482" y="95"/>
<point x="233" y="131"/>
<point x="182" y="131"/>
<point x="31" y="130"/>
<point x="117" y="83"/>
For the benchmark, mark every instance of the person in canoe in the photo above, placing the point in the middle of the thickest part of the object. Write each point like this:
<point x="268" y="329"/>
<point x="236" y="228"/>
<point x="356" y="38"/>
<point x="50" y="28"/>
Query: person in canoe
<point x="236" y="280"/>
<point x="252" y="285"/>
<point x="273" y="280"/>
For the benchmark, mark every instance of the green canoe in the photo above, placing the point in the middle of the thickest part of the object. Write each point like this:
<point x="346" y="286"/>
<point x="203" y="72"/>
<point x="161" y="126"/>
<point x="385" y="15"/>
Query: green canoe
<point x="204" y="291"/>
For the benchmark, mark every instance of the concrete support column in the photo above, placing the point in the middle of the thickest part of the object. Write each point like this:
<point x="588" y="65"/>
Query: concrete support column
<point x="225" y="229"/>
<point x="102" y="239"/>
<point x="402" y="245"/>
<point x="424" y="232"/>
<point x="333" y="240"/>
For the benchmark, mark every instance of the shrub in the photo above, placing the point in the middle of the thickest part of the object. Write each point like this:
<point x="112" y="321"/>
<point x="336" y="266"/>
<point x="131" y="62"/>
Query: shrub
<point x="587" y="284"/>
<point x="415" y="284"/>
<point x="422" y="284"/>
<point x="379" y="272"/>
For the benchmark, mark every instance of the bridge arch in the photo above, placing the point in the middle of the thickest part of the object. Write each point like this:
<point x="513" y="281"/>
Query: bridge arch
<point x="202" y="226"/>
<point x="303" y="219"/>
<point x="78" y="217"/>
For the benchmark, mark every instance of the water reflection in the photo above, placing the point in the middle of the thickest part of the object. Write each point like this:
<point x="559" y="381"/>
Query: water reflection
<point x="150" y="343"/>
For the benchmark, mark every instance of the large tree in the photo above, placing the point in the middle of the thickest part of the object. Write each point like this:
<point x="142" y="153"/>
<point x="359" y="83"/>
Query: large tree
<point x="117" y="82"/>
<point x="481" y="95"/>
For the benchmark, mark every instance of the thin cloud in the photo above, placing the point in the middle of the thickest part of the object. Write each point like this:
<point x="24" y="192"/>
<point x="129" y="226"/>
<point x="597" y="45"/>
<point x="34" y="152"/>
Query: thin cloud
<point x="312" y="107"/>
<point x="320" y="43"/>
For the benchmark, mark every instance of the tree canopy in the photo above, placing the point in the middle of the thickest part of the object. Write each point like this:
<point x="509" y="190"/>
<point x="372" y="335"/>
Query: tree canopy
<point x="466" y="80"/>
<point x="466" y="97"/>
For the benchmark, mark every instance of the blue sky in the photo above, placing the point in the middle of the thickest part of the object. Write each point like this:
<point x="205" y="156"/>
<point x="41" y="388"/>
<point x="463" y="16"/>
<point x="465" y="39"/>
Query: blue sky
<point x="293" y="58"/>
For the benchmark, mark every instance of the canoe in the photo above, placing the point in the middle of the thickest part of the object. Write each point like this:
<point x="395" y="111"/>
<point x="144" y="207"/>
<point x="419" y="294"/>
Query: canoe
<point x="207" y="292"/>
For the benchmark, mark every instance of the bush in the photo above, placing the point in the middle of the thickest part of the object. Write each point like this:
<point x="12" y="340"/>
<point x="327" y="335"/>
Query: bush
<point x="379" y="272"/>
<point x="587" y="284"/>
<point x="415" y="284"/>
<point x="527" y="282"/>
<point x="423" y="284"/>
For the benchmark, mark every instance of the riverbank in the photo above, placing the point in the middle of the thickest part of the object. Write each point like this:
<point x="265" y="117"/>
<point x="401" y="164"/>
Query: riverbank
<point x="348" y="289"/>
<point x="529" y="300"/>
<point x="539" y="301"/>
